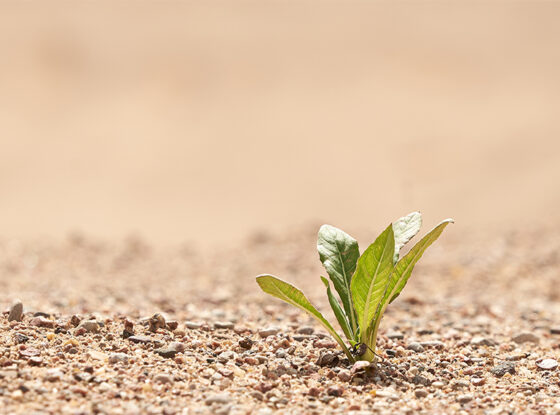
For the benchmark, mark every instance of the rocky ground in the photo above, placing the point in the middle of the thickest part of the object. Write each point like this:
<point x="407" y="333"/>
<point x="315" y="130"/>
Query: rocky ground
<point x="126" y="328"/>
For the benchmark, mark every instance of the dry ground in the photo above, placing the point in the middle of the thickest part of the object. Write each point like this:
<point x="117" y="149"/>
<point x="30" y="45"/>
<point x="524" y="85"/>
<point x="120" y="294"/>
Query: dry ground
<point x="465" y="304"/>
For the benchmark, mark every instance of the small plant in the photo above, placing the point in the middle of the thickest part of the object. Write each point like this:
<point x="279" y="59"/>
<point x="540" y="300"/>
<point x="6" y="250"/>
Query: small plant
<point x="365" y="284"/>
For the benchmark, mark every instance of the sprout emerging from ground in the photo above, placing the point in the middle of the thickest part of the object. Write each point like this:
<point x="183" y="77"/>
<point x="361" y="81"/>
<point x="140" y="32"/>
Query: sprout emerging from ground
<point x="366" y="284"/>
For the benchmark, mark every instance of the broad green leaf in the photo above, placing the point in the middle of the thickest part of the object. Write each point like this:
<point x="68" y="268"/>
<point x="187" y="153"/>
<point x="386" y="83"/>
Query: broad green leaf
<point x="339" y="254"/>
<point x="371" y="278"/>
<point x="404" y="267"/>
<point x="290" y="294"/>
<point x="338" y="311"/>
<point x="405" y="229"/>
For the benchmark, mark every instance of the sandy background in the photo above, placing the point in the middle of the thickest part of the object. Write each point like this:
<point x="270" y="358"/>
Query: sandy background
<point x="205" y="121"/>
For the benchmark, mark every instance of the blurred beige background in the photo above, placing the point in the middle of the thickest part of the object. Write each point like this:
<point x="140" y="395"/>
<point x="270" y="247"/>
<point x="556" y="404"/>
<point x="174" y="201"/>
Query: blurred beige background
<point x="206" y="120"/>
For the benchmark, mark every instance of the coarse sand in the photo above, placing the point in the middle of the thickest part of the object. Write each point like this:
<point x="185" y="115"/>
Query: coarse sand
<point x="127" y="327"/>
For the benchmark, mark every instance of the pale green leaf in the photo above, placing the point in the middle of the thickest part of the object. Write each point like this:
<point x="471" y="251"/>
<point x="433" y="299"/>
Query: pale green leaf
<point x="290" y="294"/>
<point x="371" y="278"/>
<point x="338" y="311"/>
<point x="404" y="267"/>
<point x="339" y="254"/>
<point x="405" y="229"/>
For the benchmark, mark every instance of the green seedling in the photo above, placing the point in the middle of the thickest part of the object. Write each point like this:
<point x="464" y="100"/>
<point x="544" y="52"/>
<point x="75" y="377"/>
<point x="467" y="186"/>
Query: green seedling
<point x="366" y="284"/>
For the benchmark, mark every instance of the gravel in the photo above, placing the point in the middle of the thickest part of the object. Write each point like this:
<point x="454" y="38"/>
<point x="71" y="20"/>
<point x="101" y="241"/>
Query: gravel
<point x="445" y="344"/>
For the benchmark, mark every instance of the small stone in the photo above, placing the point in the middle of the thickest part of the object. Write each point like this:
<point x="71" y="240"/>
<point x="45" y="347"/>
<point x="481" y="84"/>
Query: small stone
<point x="438" y="385"/>
<point x="75" y="320"/>
<point x="53" y="375"/>
<point x="416" y="347"/>
<point x="269" y="331"/>
<point x="555" y="330"/>
<point x="246" y="343"/>
<point x="167" y="352"/>
<point x="359" y="366"/>
<point x="90" y="326"/>
<point x="156" y="322"/>
<point x="222" y="398"/>
<point x="42" y="322"/>
<point x="433" y="343"/>
<point x="324" y="344"/>
<point x="462" y="399"/>
<point x="547" y="364"/>
<point x="420" y="380"/>
<point x="387" y="393"/>
<point x="503" y="368"/>
<point x="459" y="384"/>
<point x="16" y="311"/>
<point x="482" y="341"/>
<point x="478" y="381"/>
<point x="395" y="335"/>
<point x="20" y="338"/>
<point x="308" y="330"/>
<point x="327" y="359"/>
<point x="525" y="337"/>
<point x="344" y="375"/>
<point x="420" y="393"/>
<point x="227" y="325"/>
<point x="118" y="358"/>
<point x="141" y="339"/>
<point x="335" y="391"/>
<point x="172" y="325"/>
<point x="314" y="392"/>
<point x="193" y="325"/>
<point x="163" y="378"/>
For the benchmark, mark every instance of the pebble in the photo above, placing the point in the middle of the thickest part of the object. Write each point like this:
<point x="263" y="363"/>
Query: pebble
<point x="478" y="381"/>
<point x="308" y="330"/>
<point x="464" y="398"/>
<point x="389" y="394"/>
<point x="224" y="325"/>
<point x="16" y="311"/>
<point x="547" y="364"/>
<point x="90" y="326"/>
<point x="192" y="325"/>
<point x="433" y="343"/>
<point x="459" y="384"/>
<point x="503" y="368"/>
<point x="438" y="385"/>
<point x="163" y="378"/>
<point x="156" y="322"/>
<point x="360" y="365"/>
<point x="141" y="339"/>
<point x="222" y="398"/>
<point x="344" y="375"/>
<point x="42" y="322"/>
<point x="420" y="393"/>
<point x="482" y="341"/>
<point x="20" y="338"/>
<point x="395" y="335"/>
<point x="327" y="359"/>
<point x="118" y="358"/>
<point x="246" y="343"/>
<point x="269" y="331"/>
<point x="53" y="375"/>
<point x="555" y="330"/>
<point x="335" y="391"/>
<point x="416" y="347"/>
<point x="525" y="337"/>
<point x="325" y="344"/>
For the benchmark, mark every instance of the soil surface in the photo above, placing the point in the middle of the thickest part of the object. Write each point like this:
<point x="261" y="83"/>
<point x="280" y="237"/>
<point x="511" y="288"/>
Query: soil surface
<point x="126" y="328"/>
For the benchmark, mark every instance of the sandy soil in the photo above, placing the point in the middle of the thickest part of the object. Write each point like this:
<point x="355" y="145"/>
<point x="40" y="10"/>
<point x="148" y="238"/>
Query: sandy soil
<point x="485" y="313"/>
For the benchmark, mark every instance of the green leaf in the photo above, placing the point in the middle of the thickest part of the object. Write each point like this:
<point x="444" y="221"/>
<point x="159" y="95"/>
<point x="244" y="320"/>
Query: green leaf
<point x="338" y="311"/>
<point x="290" y="294"/>
<point x="371" y="278"/>
<point x="405" y="229"/>
<point x="339" y="254"/>
<point x="404" y="267"/>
